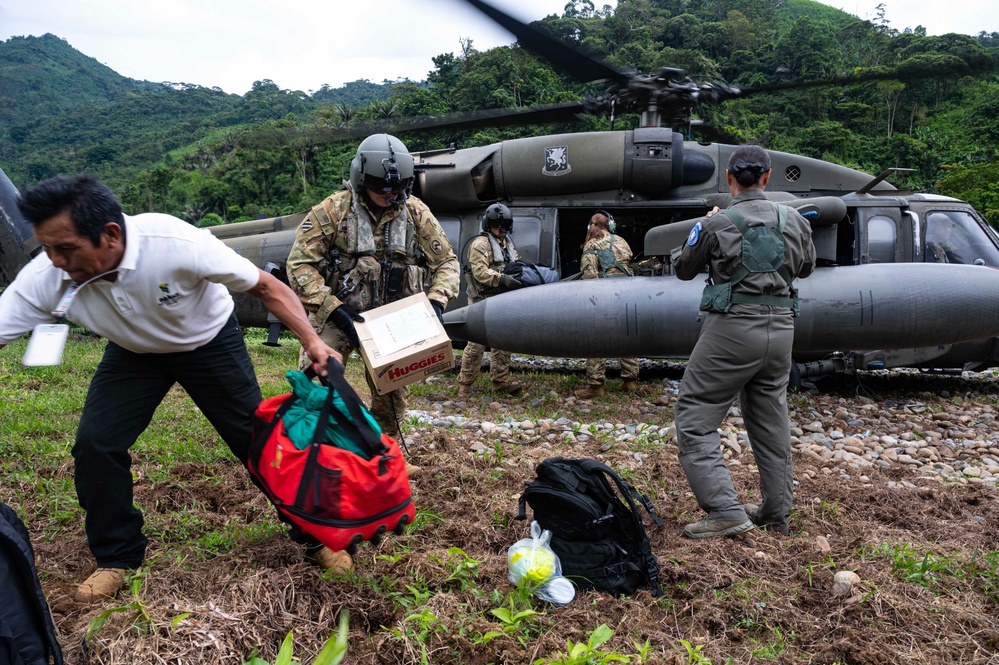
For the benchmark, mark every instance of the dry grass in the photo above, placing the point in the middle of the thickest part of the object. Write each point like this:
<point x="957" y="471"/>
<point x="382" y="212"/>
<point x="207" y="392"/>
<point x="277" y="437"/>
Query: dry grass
<point x="222" y="581"/>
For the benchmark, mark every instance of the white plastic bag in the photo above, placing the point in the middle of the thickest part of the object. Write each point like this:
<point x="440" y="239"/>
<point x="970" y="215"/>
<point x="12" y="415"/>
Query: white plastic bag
<point x="532" y="561"/>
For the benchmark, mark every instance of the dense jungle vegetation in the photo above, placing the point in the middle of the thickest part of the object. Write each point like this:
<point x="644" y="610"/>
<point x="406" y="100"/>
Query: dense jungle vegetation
<point x="212" y="157"/>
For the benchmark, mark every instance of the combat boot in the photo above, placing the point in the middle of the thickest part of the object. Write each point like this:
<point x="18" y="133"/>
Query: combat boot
<point x="328" y="559"/>
<point x="629" y="385"/>
<point x="103" y="583"/>
<point x="710" y="528"/>
<point x="508" y="387"/>
<point x="413" y="471"/>
<point x="464" y="389"/>
<point x="752" y="510"/>
<point x="590" y="392"/>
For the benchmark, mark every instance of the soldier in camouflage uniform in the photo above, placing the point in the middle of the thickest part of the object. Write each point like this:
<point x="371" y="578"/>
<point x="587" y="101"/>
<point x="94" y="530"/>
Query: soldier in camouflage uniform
<point x="488" y="254"/>
<point x="368" y="245"/>
<point x="605" y="255"/>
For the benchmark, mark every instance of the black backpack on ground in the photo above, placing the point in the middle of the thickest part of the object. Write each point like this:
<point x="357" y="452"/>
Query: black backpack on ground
<point x="27" y="635"/>
<point x="596" y="526"/>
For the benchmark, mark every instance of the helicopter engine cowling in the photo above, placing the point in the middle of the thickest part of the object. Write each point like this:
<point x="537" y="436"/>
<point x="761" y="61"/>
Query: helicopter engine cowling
<point x="649" y="161"/>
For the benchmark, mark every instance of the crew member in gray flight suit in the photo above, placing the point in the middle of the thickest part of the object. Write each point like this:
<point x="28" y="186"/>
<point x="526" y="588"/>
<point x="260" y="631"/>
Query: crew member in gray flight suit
<point x="488" y="254"/>
<point x="753" y="251"/>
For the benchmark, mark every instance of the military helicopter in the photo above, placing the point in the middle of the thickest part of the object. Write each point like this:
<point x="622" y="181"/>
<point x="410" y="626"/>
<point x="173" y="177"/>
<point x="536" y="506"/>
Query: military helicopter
<point x="880" y="299"/>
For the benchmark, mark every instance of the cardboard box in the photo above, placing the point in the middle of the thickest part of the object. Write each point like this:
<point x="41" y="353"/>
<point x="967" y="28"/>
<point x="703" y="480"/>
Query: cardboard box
<point x="403" y="342"/>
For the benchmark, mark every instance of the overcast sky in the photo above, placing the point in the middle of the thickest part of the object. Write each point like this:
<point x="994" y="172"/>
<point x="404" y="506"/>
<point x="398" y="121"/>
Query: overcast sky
<point x="302" y="44"/>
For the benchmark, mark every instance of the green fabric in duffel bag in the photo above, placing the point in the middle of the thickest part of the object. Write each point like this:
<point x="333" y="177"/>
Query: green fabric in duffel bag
<point x="300" y="419"/>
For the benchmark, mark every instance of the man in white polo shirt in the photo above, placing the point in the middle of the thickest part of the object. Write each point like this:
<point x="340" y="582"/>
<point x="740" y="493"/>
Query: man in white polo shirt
<point x="156" y="288"/>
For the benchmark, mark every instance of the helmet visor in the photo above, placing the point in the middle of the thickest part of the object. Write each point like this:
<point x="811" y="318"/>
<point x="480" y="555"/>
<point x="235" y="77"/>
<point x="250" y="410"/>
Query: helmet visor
<point x="383" y="186"/>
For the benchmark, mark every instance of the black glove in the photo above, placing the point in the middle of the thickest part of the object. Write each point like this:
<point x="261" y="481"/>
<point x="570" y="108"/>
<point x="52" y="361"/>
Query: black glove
<point x="438" y="310"/>
<point x="343" y="317"/>
<point x="508" y="282"/>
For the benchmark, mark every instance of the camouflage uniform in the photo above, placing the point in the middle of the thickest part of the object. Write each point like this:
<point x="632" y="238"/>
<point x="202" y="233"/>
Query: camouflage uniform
<point x="486" y="268"/>
<point x="344" y="252"/>
<point x="596" y="368"/>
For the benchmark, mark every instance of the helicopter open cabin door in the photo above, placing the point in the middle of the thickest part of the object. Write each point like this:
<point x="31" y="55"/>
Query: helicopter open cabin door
<point x="535" y="234"/>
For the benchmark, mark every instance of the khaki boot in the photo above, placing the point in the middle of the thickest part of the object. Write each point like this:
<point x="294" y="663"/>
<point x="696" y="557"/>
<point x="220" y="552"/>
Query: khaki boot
<point x="629" y="385"/>
<point x="413" y="471"/>
<point x="589" y="392"/>
<point x="464" y="389"/>
<point x="508" y="387"/>
<point x="103" y="583"/>
<point x="328" y="559"/>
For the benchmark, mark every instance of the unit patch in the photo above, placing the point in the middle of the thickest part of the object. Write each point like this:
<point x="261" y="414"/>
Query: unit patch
<point x="556" y="161"/>
<point x="695" y="235"/>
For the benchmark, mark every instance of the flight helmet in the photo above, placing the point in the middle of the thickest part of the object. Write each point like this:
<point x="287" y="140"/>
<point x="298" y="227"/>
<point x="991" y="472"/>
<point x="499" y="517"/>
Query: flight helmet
<point x="498" y="215"/>
<point x="383" y="164"/>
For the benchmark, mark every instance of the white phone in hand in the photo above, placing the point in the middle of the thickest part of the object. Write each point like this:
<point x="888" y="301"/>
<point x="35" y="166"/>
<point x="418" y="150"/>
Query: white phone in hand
<point x="46" y="344"/>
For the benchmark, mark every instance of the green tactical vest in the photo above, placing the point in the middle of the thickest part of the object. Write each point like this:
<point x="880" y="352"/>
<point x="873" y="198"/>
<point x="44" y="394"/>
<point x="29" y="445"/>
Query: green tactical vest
<point x="606" y="259"/>
<point x="762" y="251"/>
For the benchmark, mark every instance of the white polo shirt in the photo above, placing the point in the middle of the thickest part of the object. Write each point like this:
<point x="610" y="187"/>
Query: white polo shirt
<point x="170" y="294"/>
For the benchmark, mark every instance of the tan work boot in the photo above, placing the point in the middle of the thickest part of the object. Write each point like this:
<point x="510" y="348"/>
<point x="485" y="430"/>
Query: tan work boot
<point x="629" y="385"/>
<point x="589" y="392"/>
<point x="413" y="471"/>
<point x="328" y="559"/>
<point x="508" y="387"/>
<point x="464" y="389"/>
<point x="103" y="583"/>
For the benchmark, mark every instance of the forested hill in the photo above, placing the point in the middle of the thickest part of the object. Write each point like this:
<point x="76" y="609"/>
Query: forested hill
<point x="45" y="75"/>
<point x="197" y="152"/>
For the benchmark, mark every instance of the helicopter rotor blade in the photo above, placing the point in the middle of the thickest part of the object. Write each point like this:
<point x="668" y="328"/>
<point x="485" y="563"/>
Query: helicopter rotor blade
<point x="552" y="113"/>
<point x="564" y="58"/>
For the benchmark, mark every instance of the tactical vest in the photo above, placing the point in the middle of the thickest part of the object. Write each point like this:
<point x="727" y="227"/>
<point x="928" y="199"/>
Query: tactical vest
<point x="501" y="256"/>
<point x="762" y="251"/>
<point x="364" y="275"/>
<point x="607" y="259"/>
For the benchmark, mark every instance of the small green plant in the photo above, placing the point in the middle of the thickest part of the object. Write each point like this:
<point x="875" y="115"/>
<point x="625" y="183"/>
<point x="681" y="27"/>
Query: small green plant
<point x="773" y="649"/>
<point x="332" y="653"/>
<point x="142" y="621"/>
<point x="514" y="617"/>
<point x="466" y="570"/>
<point x="588" y="653"/>
<point x="694" y="655"/>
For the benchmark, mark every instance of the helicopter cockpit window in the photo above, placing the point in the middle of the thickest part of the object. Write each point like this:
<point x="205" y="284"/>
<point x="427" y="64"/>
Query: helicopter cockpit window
<point x="881" y="239"/>
<point x="954" y="236"/>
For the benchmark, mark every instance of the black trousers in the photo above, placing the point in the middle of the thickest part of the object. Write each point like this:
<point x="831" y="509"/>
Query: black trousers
<point x="124" y="393"/>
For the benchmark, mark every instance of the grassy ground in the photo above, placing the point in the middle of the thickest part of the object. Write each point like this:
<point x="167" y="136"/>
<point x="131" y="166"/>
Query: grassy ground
<point x="221" y="581"/>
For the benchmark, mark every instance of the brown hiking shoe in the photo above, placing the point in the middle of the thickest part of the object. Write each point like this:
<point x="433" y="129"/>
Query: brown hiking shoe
<point x="464" y="389"/>
<point x="103" y="583"/>
<point x="328" y="559"/>
<point x="413" y="471"/>
<point x="629" y="385"/>
<point x="589" y="392"/>
<point x="508" y="387"/>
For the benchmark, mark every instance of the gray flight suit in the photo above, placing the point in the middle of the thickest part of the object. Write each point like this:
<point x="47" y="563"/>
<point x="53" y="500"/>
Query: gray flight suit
<point x="744" y="353"/>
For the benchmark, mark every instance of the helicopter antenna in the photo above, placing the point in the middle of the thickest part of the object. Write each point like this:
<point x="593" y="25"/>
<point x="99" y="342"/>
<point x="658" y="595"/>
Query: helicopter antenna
<point x="880" y="178"/>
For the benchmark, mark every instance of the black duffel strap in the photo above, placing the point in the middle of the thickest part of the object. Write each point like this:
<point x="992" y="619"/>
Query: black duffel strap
<point x="357" y="425"/>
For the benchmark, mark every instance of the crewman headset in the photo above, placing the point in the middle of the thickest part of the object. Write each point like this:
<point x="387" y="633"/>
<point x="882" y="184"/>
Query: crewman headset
<point x="611" y="224"/>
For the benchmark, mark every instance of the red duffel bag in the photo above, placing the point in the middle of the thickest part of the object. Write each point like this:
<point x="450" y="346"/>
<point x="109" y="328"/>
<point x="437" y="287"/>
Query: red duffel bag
<point x="341" y="496"/>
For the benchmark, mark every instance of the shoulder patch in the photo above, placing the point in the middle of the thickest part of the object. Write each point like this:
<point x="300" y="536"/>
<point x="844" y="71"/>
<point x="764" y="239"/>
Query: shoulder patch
<point x="306" y="225"/>
<point x="695" y="235"/>
<point x="436" y="246"/>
